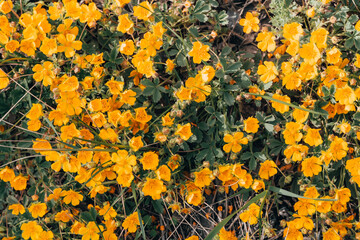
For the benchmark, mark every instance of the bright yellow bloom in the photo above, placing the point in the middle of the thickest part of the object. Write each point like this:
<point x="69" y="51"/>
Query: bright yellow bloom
<point x="319" y="37"/>
<point x="72" y="197"/>
<point x="199" y="52"/>
<point x="267" y="72"/>
<point x="345" y="95"/>
<point x="150" y="161"/>
<point x="250" y="23"/>
<point x="7" y="174"/>
<point x="131" y="222"/>
<point x="44" y="73"/>
<point x="17" y="209"/>
<point x="338" y="148"/>
<point x="19" y="182"/>
<point x="4" y="80"/>
<point x="91" y="231"/>
<point x="31" y="230"/>
<point x="38" y="210"/>
<point x="293" y="31"/>
<point x="49" y="46"/>
<point x="266" y="41"/>
<point x="136" y="143"/>
<point x="333" y="55"/>
<point x="141" y="115"/>
<point x="108" y="212"/>
<point x="163" y="173"/>
<point x="125" y="24"/>
<point x="89" y="14"/>
<point x="68" y="44"/>
<point x="167" y="120"/>
<point x="267" y="169"/>
<point x="203" y="178"/>
<point x="280" y="107"/>
<point x="184" y="131"/>
<point x="153" y="188"/>
<point x="310" y="53"/>
<point x="234" y="142"/>
<point x="251" y="125"/>
<point x="227" y="235"/>
<point x="313" y="137"/>
<point x="35" y="112"/>
<point x="6" y="6"/>
<point x="292" y="133"/>
<point x="292" y="81"/>
<point x="311" y="166"/>
<point x="251" y="215"/>
<point x="143" y="11"/>
<point x="127" y="47"/>
<point x="68" y="132"/>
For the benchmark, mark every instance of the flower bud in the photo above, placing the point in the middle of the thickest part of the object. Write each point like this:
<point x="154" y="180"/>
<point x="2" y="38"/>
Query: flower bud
<point x="333" y="19"/>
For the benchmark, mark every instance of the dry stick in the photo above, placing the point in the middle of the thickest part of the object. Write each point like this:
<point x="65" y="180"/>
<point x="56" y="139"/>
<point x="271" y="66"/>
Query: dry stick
<point x="16" y="104"/>
<point x="28" y="91"/>
<point x="24" y="129"/>
<point x="20" y="160"/>
<point x="167" y="211"/>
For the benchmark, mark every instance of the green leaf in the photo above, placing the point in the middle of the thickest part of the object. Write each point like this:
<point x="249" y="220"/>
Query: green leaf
<point x="357" y="42"/>
<point x="201" y="17"/>
<point x="157" y="95"/>
<point x="356" y="116"/>
<point x="229" y="99"/>
<point x="235" y="67"/>
<point x="290" y="194"/>
<point x="222" y="224"/>
<point x="349" y="43"/>
<point x="252" y="164"/>
<point x="194" y="31"/>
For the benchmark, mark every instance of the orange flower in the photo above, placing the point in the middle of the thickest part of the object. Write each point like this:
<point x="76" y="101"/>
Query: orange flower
<point x="136" y="143"/>
<point x="89" y="14"/>
<point x="310" y="53"/>
<point x="6" y="6"/>
<point x="17" y="209"/>
<point x="68" y="44"/>
<point x="234" y="142"/>
<point x="4" y="80"/>
<point x="267" y="169"/>
<point x="163" y="173"/>
<point x="72" y="197"/>
<point x="150" y="161"/>
<point x="199" y="52"/>
<point x="333" y="55"/>
<point x="127" y="47"/>
<point x="280" y="107"/>
<point x="319" y="37"/>
<point x="31" y="230"/>
<point x="184" y="131"/>
<point x="7" y="174"/>
<point x="108" y="212"/>
<point x="68" y="132"/>
<point x="44" y="73"/>
<point x="167" y="120"/>
<point x="293" y="31"/>
<point x="266" y="41"/>
<point x="251" y="125"/>
<point x="35" y="112"/>
<point x="292" y="132"/>
<point x="313" y="137"/>
<point x="19" y="182"/>
<point x="338" y="148"/>
<point x="141" y="115"/>
<point x="143" y="11"/>
<point x="49" y="46"/>
<point x="267" y="72"/>
<point x="311" y="166"/>
<point x="91" y="231"/>
<point x="250" y="22"/>
<point x="251" y="215"/>
<point x="345" y="95"/>
<point x="131" y="222"/>
<point x="153" y="188"/>
<point x="203" y="178"/>
<point x="38" y="210"/>
<point x="227" y="235"/>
